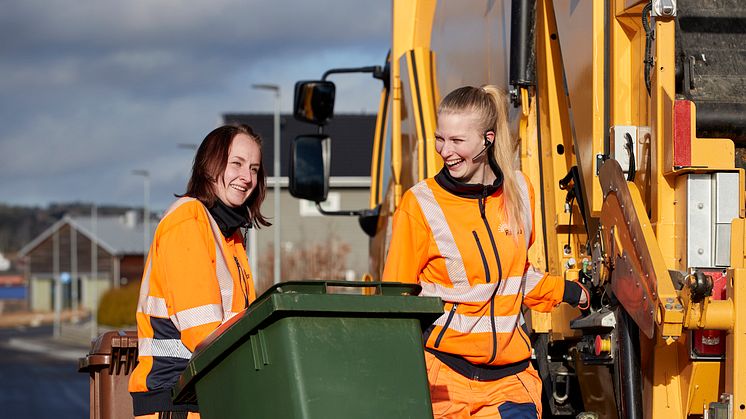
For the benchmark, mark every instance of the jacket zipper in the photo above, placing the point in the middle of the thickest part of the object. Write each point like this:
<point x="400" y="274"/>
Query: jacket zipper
<point x="499" y="279"/>
<point x="445" y="326"/>
<point x="243" y="280"/>
<point x="492" y="241"/>
<point x="494" y="328"/>
<point x="484" y="258"/>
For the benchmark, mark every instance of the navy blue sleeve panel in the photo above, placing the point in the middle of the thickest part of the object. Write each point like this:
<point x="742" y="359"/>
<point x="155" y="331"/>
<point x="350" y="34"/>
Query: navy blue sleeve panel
<point x="164" y="329"/>
<point x="165" y="372"/>
<point x="572" y="294"/>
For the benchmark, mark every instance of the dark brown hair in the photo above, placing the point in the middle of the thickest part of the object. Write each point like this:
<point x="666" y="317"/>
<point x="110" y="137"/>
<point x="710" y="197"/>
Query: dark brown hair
<point x="209" y="167"/>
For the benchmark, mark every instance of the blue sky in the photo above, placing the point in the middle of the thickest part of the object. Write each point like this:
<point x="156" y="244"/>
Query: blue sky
<point x="91" y="90"/>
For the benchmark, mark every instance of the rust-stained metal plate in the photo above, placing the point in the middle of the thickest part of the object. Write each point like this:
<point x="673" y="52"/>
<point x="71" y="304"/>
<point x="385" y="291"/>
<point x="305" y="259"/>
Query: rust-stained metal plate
<point x="638" y="262"/>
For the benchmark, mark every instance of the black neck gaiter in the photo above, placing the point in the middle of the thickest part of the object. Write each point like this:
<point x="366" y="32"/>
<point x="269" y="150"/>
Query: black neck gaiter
<point x="229" y="219"/>
<point x="470" y="190"/>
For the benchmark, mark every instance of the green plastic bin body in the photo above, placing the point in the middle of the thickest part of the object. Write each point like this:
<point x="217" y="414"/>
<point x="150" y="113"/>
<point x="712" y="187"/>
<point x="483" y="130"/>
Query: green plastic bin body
<point x="300" y="355"/>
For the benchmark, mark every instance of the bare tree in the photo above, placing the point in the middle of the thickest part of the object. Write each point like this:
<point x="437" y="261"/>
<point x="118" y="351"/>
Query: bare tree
<point x="325" y="260"/>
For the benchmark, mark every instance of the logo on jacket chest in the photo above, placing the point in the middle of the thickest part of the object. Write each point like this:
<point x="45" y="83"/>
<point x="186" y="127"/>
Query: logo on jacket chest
<point x="505" y="228"/>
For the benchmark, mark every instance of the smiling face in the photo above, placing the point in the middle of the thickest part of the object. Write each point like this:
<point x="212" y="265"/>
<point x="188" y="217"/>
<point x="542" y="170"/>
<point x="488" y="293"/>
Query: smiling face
<point x="240" y="176"/>
<point x="458" y="140"/>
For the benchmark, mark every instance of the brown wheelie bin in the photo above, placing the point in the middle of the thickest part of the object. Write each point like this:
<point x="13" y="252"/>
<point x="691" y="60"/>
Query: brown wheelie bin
<point x="112" y="358"/>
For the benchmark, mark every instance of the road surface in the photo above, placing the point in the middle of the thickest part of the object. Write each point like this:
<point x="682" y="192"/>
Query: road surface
<point x="34" y="385"/>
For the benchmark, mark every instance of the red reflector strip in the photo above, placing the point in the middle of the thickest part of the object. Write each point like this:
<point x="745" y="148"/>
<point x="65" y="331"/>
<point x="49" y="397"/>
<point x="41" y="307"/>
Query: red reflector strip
<point x="682" y="133"/>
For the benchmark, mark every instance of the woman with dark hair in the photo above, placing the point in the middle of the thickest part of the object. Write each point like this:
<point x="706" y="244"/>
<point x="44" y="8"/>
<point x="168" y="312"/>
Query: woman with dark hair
<point x="197" y="275"/>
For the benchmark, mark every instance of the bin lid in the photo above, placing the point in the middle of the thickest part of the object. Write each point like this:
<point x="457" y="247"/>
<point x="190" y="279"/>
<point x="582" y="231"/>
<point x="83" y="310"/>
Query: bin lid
<point x="103" y="346"/>
<point x="307" y="298"/>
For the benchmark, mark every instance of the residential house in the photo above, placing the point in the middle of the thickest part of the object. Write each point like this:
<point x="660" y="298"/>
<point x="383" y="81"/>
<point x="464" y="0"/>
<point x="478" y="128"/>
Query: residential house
<point x="83" y="257"/>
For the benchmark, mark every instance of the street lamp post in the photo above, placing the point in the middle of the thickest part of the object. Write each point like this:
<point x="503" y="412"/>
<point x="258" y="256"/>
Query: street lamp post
<point x="94" y="270"/>
<point x="57" y="284"/>
<point x="145" y="213"/>
<point x="276" y="174"/>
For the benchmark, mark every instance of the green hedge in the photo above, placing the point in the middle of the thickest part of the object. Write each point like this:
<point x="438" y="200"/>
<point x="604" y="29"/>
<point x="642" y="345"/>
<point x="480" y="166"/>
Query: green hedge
<point x="118" y="305"/>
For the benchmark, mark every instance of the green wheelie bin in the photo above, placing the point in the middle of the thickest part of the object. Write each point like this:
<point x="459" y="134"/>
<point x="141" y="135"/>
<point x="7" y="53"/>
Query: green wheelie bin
<point x="301" y="351"/>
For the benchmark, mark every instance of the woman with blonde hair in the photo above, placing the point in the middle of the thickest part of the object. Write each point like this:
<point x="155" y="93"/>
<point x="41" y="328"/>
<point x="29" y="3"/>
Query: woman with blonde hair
<point x="464" y="235"/>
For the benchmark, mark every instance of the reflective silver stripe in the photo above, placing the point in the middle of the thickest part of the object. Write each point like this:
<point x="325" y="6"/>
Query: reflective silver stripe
<point x="197" y="316"/>
<point x="179" y="202"/>
<point x="155" y="306"/>
<point x="527" y="216"/>
<point x="225" y="280"/>
<point x="532" y="278"/>
<point x="144" y="287"/>
<point x="442" y="234"/>
<point x="474" y="293"/>
<point x="511" y="286"/>
<point x="478" y="324"/>
<point x="172" y="348"/>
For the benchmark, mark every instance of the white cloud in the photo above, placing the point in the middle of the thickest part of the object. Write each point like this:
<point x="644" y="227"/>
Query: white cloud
<point x="91" y="90"/>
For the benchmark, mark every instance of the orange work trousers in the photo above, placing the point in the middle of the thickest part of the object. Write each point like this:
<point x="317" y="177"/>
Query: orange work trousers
<point x="455" y="396"/>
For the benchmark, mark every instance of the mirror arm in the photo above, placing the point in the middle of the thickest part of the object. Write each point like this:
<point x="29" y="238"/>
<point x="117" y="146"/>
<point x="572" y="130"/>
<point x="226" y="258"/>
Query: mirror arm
<point x="345" y="212"/>
<point x="375" y="69"/>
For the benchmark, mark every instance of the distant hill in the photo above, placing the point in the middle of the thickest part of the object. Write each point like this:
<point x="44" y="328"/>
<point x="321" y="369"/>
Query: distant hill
<point x="19" y="225"/>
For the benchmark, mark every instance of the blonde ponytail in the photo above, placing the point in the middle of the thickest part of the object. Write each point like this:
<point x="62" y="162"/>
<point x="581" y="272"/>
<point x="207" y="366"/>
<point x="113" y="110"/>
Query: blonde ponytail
<point x="504" y="152"/>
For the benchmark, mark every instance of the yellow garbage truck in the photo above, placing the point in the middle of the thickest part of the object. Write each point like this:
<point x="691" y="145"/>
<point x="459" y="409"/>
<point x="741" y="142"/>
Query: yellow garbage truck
<point x="629" y="118"/>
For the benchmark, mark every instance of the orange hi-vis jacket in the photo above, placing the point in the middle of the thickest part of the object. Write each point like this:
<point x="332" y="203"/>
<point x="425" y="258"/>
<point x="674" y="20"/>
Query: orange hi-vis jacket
<point x="195" y="279"/>
<point x="458" y="246"/>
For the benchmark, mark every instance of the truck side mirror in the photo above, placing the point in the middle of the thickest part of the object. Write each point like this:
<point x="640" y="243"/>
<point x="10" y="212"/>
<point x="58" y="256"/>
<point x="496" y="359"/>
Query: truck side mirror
<point x="309" y="167"/>
<point x="314" y="101"/>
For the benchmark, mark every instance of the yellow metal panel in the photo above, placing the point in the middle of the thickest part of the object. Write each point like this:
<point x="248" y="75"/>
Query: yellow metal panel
<point x="530" y="165"/>
<point x="402" y="18"/>
<point x="580" y="27"/>
<point x="411" y="118"/>
<point x="629" y="99"/>
<point x="376" y="164"/>
<point x="661" y="101"/>
<point x="737" y="245"/>
<point x="735" y="342"/>
<point x="701" y="387"/>
<point x="434" y="161"/>
<point x="410" y="139"/>
<point x="662" y="391"/>
<point x="710" y="152"/>
<point x="412" y="24"/>
<point x="628" y="6"/>
<point x="396" y="152"/>
<point x="556" y="153"/>
<point x="422" y="86"/>
<point x="540" y="322"/>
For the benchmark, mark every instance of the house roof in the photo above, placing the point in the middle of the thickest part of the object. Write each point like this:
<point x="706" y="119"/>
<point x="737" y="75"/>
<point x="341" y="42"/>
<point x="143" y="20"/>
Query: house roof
<point x="118" y="235"/>
<point x="11" y="280"/>
<point x="351" y="140"/>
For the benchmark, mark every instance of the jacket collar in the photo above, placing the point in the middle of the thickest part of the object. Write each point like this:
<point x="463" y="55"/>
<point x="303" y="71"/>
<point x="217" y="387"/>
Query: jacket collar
<point x="470" y="190"/>
<point x="228" y="219"/>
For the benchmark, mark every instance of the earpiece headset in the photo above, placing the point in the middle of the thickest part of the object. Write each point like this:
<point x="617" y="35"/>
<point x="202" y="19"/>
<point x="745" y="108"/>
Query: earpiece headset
<point x="487" y="145"/>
